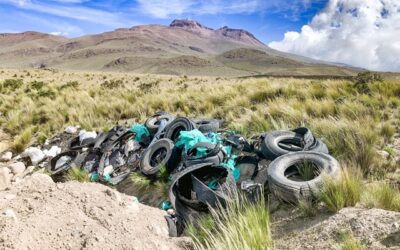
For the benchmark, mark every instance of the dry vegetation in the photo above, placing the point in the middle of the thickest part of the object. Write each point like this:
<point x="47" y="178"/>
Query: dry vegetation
<point x="355" y="120"/>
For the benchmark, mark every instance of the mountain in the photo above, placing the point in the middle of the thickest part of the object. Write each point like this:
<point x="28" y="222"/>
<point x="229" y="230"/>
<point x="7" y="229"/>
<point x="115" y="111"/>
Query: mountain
<point x="183" y="47"/>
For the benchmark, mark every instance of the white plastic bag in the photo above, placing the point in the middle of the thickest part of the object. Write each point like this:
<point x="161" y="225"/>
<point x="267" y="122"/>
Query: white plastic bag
<point x="52" y="152"/>
<point x="35" y="154"/>
<point x="83" y="134"/>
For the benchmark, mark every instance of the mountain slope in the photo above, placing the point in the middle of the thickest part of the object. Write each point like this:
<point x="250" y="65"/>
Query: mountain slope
<point x="183" y="47"/>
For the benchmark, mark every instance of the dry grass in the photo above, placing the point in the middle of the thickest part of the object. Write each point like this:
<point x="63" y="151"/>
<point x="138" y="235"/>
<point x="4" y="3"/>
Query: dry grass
<point x="344" y="192"/>
<point x="352" y="123"/>
<point x="241" y="225"/>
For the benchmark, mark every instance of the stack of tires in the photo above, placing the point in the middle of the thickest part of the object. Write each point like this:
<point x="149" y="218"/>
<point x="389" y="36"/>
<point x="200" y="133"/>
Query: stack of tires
<point x="300" y="162"/>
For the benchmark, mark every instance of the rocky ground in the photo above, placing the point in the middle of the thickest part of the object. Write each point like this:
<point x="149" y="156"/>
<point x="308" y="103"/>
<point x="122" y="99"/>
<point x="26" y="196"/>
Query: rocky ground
<point x="372" y="228"/>
<point x="37" y="213"/>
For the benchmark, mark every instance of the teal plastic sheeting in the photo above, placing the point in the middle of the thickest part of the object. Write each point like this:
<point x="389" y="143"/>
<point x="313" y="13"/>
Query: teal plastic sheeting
<point x="140" y="130"/>
<point x="188" y="139"/>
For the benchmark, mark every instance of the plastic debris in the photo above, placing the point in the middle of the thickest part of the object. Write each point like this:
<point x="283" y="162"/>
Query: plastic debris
<point x="83" y="134"/>
<point x="108" y="170"/>
<point x="52" y="152"/>
<point x="35" y="154"/>
<point x="140" y="130"/>
<point x="71" y="129"/>
<point x="166" y="205"/>
<point x="94" y="176"/>
<point x="62" y="161"/>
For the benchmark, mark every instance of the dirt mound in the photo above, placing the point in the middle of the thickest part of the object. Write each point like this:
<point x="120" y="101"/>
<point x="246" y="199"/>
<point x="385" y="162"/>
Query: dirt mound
<point x="373" y="228"/>
<point x="40" y="214"/>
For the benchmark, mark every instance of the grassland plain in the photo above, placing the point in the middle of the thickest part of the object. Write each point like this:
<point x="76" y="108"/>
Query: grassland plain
<point x="358" y="123"/>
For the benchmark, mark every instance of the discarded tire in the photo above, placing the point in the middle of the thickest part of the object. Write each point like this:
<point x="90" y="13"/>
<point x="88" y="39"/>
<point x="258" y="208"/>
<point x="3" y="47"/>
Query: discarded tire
<point x="156" y="156"/>
<point x="176" y="126"/>
<point x="153" y="122"/>
<point x="213" y="154"/>
<point x="299" y="175"/>
<point x="208" y="125"/>
<point x="277" y="143"/>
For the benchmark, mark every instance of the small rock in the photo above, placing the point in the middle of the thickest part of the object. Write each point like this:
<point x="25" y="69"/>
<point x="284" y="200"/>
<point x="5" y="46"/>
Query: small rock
<point x="395" y="225"/>
<point x="7" y="156"/>
<point x="28" y="171"/>
<point x="10" y="196"/>
<point x="10" y="214"/>
<point x="17" y="168"/>
<point x="383" y="154"/>
<point x="5" y="178"/>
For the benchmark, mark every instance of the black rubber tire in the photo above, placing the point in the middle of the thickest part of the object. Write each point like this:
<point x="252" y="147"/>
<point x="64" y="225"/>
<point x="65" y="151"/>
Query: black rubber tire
<point x="173" y="129"/>
<point x="208" y="125"/>
<point x="213" y="155"/>
<point x="271" y="147"/>
<point x="294" y="191"/>
<point x="146" y="166"/>
<point x="152" y="123"/>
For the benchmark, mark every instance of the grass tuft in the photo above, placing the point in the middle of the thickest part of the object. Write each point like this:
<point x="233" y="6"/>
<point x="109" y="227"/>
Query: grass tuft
<point x="349" y="242"/>
<point x="22" y="141"/>
<point x="240" y="225"/>
<point x="344" y="192"/>
<point x="383" y="196"/>
<point x="77" y="174"/>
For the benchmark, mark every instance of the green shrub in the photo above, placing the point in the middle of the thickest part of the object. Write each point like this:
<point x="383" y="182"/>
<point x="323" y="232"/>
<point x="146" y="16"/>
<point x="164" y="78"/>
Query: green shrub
<point x="12" y="84"/>
<point x="112" y="84"/>
<point x="363" y="80"/>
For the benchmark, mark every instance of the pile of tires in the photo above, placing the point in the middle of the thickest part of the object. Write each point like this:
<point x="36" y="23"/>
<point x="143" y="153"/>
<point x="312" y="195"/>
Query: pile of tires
<point x="209" y="170"/>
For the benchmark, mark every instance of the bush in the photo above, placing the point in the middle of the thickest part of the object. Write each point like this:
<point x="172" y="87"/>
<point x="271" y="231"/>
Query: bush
<point x="12" y="84"/>
<point x="112" y="84"/>
<point x="77" y="174"/>
<point x="364" y="79"/>
<point x="344" y="192"/>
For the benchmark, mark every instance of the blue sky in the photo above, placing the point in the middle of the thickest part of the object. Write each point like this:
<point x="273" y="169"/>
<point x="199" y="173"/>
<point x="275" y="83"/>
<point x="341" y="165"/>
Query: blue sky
<point x="268" y="20"/>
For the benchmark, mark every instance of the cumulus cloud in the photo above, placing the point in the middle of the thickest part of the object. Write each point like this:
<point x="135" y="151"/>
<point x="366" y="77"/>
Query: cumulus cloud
<point x="362" y="33"/>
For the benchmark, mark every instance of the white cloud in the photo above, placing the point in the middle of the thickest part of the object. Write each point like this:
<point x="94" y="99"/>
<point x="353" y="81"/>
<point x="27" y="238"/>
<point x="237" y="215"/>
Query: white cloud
<point x="363" y="33"/>
<point x="70" y="11"/>
<point x="165" y="9"/>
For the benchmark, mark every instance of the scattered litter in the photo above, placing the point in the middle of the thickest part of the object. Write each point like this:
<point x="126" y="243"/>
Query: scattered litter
<point x="71" y="129"/>
<point x="166" y="205"/>
<point x="52" y="152"/>
<point x="63" y="161"/>
<point x="35" y="154"/>
<point x="108" y="170"/>
<point x="83" y="134"/>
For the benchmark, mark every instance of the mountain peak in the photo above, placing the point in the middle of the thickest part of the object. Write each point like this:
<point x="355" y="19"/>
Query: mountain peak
<point x="187" y="24"/>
